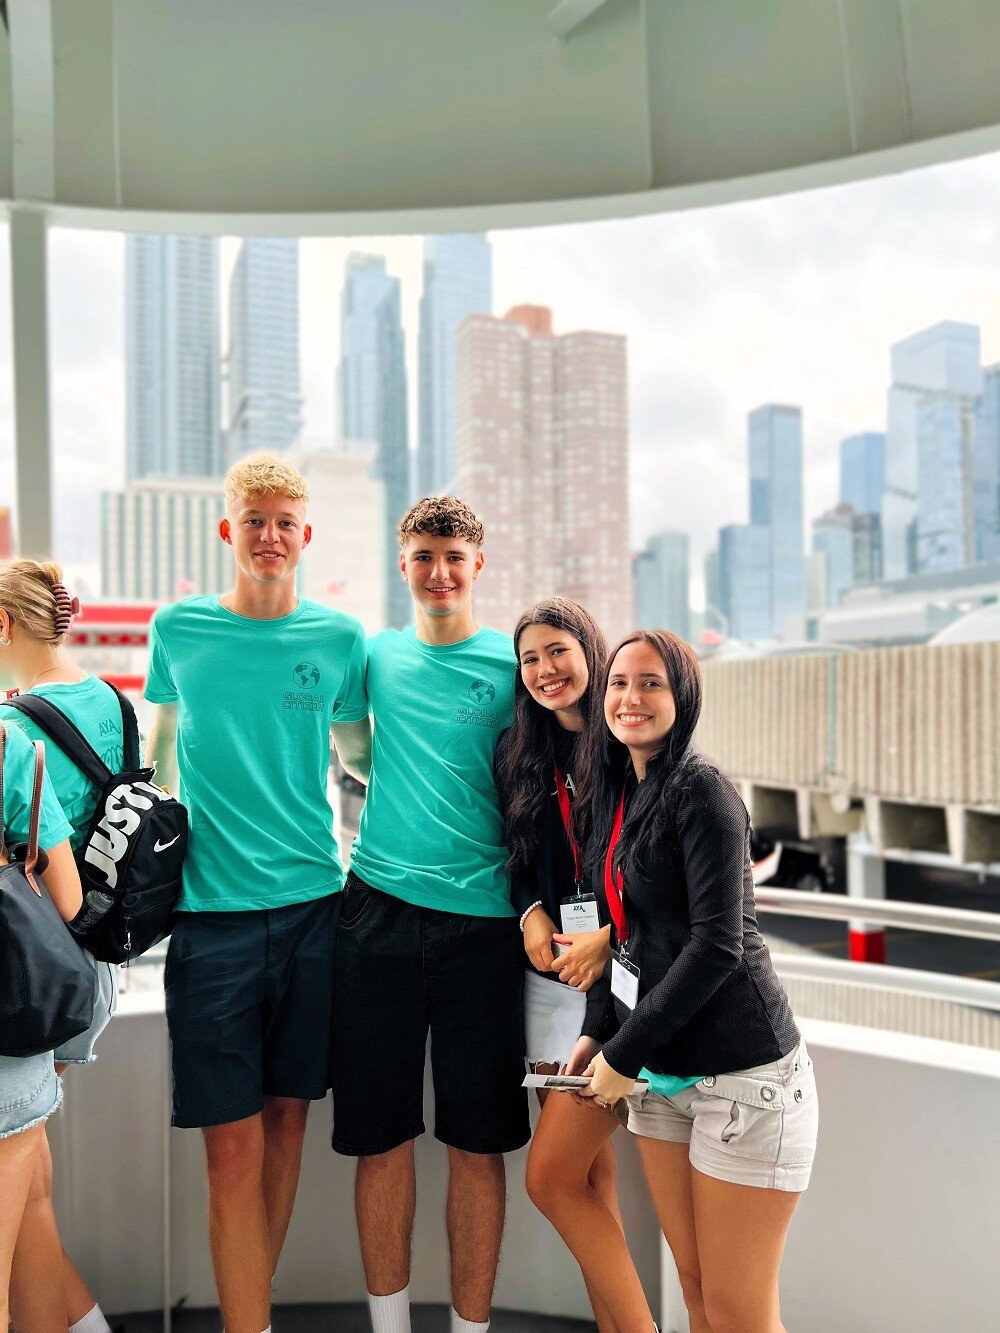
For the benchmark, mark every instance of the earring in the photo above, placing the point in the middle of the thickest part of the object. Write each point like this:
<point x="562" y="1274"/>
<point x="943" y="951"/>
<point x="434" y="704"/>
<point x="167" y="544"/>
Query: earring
<point x="4" y="641"/>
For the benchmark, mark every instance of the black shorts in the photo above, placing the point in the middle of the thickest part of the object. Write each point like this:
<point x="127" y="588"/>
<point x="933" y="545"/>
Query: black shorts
<point x="403" y="971"/>
<point x="249" y="1006"/>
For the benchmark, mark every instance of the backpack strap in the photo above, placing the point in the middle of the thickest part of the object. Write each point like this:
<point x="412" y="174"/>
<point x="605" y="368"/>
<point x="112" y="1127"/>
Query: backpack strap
<point x="131" y="760"/>
<point x="64" y="734"/>
<point x="31" y="859"/>
<point x="3" y="831"/>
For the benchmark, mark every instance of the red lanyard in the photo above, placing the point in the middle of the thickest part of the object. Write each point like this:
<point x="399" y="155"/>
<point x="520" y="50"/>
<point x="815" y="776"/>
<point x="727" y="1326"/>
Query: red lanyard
<point x="566" y="810"/>
<point x="614" y="888"/>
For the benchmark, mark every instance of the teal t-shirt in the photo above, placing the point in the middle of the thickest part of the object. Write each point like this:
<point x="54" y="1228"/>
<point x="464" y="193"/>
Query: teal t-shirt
<point x="93" y="707"/>
<point x="667" y="1085"/>
<point x="431" y="831"/>
<point x="18" y="776"/>
<point x="255" y="700"/>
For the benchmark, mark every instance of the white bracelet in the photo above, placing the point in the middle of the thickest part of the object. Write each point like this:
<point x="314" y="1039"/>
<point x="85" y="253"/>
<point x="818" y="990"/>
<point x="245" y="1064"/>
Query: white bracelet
<point x="528" y="913"/>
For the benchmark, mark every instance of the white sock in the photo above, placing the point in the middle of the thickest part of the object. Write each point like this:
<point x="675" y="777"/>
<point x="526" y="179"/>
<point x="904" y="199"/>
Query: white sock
<point x="460" y="1325"/>
<point x="390" y="1314"/>
<point x="92" y="1322"/>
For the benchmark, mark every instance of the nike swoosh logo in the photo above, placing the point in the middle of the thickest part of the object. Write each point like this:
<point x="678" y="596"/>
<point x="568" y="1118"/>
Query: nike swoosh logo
<point x="162" y="846"/>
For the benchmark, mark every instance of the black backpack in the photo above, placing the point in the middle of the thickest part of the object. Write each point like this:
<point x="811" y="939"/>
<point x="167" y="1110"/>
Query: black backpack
<point x="130" y="862"/>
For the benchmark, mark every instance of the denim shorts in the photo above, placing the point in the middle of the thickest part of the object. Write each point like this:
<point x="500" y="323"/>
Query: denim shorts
<point x="753" y="1127"/>
<point x="30" y="1090"/>
<point x="79" y="1050"/>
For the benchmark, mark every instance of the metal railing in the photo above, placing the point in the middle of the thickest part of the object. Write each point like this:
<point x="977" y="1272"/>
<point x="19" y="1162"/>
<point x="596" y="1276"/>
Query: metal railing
<point x="911" y="916"/>
<point x="942" y="986"/>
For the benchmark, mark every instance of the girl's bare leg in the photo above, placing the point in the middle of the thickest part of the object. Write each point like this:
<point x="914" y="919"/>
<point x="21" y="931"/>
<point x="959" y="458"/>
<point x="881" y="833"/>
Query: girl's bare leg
<point x="567" y="1142"/>
<point x="38" y="1291"/>
<point x="668" y="1175"/>
<point x="18" y="1162"/>
<point x="739" y="1277"/>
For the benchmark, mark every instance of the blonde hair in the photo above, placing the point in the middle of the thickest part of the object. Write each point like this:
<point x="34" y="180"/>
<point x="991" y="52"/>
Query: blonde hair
<point x="263" y="474"/>
<point x="34" y="596"/>
<point x="440" y="516"/>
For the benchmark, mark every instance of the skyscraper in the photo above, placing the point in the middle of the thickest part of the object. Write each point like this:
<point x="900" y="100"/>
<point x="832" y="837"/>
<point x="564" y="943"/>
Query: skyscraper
<point x="264" y="399"/>
<point x="661" y="584"/>
<point x="172" y="357"/>
<point x="862" y="472"/>
<point x="775" y="442"/>
<point x="834" y="538"/>
<point x="745" y="580"/>
<point x="714" y="614"/>
<point x="543" y="458"/>
<point x="867" y="548"/>
<point x="372" y="379"/>
<point x="926" y="509"/>
<point x="986" y="471"/>
<point x="458" y="281"/>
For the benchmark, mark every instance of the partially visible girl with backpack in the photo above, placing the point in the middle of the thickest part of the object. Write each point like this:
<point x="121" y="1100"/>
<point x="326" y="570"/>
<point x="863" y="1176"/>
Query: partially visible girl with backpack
<point x="36" y="612"/>
<point x="30" y="1090"/>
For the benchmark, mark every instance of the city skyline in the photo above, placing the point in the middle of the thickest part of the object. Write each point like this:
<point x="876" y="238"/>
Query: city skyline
<point x="794" y="299"/>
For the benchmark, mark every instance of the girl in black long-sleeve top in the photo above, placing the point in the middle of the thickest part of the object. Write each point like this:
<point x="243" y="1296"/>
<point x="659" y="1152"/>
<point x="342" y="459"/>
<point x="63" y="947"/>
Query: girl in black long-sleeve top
<point x="727" y="1125"/>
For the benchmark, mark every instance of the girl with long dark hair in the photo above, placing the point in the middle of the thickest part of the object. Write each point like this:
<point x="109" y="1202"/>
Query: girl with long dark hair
<point x="560" y="651"/>
<point x="726" y="1117"/>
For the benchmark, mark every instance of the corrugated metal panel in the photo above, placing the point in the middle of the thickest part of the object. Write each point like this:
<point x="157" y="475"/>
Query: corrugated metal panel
<point x="915" y="723"/>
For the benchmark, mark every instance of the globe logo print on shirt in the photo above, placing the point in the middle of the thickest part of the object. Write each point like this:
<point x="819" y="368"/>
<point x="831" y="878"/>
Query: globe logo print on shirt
<point x="306" y="675"/>
<point x="482" y="693"/>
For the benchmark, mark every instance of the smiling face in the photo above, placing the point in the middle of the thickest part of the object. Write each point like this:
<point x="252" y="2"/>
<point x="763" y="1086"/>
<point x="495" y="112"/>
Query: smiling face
<point x="554" y="670"/>
<point x="267" y="534"/>
<point x="639" y="704"/>
<point x="440" y="572"/>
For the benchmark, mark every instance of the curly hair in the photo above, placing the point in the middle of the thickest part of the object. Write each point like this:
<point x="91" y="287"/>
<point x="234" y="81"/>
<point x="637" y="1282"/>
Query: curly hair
<point x="263" y="474"/>
<point x="440" y="516"/>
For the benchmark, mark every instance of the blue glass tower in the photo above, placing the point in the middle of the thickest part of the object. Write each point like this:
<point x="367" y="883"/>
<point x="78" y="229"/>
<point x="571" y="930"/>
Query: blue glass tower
<point x="986" y="471"/>
<point x="661" y="584"/>
<point x="264" y="398"/>
<point x="776" y="505"/>
<point x="372" y="378"/>
<point x="458" y="281"/>
<point x="745" y="580"/>
<point x="862" y="472"/>
<point x="172" y="357"/>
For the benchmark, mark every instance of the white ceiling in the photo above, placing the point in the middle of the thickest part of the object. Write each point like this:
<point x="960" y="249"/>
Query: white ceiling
<point x="379" y="115"/>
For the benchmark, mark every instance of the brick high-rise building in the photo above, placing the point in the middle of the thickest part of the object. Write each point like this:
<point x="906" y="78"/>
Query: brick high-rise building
<point x="543" y="459"/>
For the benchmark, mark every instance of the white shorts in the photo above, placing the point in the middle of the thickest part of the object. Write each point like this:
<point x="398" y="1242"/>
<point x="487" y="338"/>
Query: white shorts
<point x="754" y="1127"/>
<point x="553" y="1017"/>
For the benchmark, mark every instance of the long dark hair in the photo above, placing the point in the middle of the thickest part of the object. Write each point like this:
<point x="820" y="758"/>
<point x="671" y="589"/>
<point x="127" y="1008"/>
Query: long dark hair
<point x="607" y="763"/>
<point x="524" y="769"/>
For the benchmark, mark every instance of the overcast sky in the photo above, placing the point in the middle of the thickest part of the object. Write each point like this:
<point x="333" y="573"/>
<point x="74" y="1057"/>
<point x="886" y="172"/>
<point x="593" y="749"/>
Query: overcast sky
<point x="794" y="299"/>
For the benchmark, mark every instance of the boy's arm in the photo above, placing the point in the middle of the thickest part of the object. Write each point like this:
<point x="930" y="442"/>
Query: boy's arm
<point x="161" y="747"/>
<point x="353" y="743"/>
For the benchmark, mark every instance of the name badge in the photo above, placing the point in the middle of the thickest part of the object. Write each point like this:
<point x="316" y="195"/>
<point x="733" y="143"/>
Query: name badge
<point x="579" y="914"/>
<point x="624" y="980"/>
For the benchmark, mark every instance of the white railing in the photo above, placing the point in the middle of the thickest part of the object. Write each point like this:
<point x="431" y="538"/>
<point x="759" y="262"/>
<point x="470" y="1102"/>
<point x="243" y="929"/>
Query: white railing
<point x="911" y="916"/>
<point x="941" y="986"/>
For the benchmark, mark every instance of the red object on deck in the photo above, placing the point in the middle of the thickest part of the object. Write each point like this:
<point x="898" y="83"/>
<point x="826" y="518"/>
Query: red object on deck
<point x="117" y="613"/>
<point x="866" y="946"/>
<point x="127" y="684"/>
